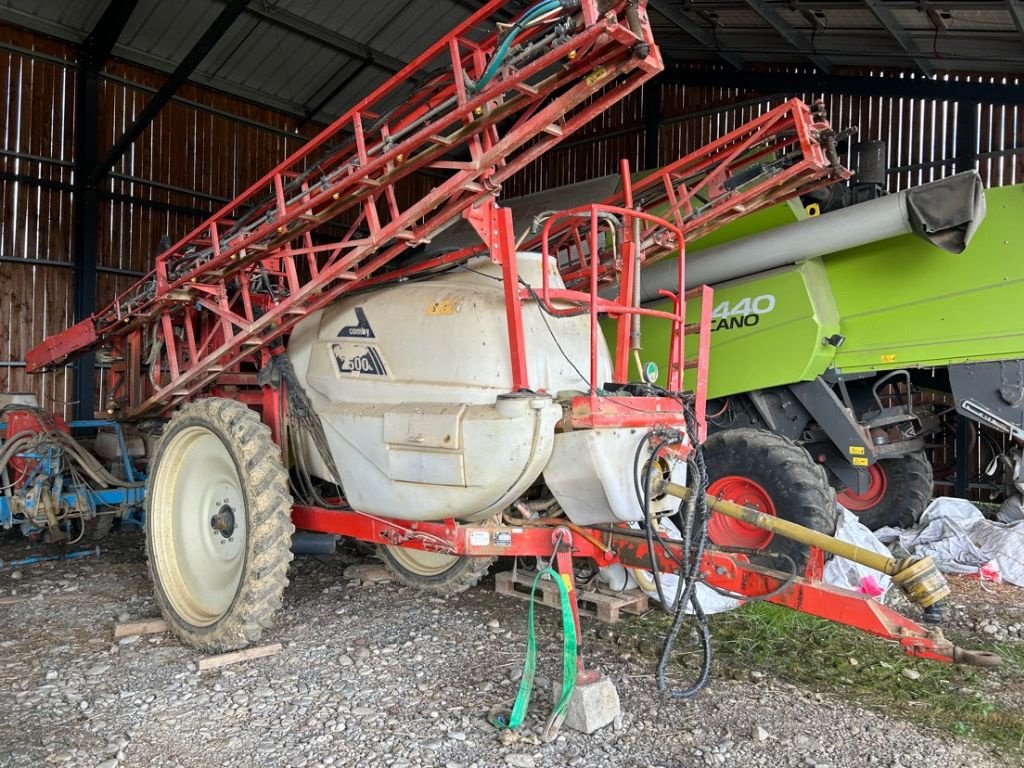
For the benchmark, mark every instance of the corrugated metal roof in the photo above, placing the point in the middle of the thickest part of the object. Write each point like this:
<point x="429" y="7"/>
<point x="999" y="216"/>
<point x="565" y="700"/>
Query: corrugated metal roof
<point x="313" y="55"/>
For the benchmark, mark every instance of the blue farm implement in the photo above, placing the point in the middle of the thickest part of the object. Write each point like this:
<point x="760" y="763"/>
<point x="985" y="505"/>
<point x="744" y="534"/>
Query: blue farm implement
<point x="56" y="487"/>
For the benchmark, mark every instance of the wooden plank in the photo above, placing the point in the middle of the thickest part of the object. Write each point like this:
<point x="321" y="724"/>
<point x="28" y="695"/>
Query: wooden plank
<point x="212" y="662"/>
<point x="606" y="608"/>
<point x="148" y="627"/>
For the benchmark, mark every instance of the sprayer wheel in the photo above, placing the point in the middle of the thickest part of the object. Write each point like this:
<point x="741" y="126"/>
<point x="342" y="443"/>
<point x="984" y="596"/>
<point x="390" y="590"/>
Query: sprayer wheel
<point x="434" y="571"/>
<point x="761" y="469"/>
<point x="899" y="492"/>
<point x="218" y="525"/>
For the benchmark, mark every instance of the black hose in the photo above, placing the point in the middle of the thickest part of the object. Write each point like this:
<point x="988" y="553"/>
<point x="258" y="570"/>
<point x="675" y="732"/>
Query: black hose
<point x="695" y="535"/>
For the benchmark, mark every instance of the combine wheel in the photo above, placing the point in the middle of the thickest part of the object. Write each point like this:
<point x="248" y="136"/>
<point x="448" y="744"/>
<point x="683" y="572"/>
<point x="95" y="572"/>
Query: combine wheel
<point x="900" y="489"/>
<point x="760" y="469"/>
<point x="218" y="526"/>
<point x="434" y="571"/>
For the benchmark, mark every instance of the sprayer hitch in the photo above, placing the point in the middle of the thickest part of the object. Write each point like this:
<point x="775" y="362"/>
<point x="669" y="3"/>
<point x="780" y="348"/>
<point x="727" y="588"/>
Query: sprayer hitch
<point x="918" y="578"/>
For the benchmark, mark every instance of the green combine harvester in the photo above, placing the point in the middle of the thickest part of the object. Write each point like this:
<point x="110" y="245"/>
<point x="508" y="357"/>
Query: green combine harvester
<point x="850" y="333"/>
<point x="841" y="339"/>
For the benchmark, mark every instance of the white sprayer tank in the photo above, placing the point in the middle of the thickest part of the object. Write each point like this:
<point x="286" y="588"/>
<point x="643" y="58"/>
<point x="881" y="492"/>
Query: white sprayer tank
<point x="413" y="385"/>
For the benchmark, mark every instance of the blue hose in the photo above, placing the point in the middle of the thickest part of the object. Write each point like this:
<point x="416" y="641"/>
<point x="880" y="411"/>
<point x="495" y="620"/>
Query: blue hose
<point x="501" y="53"/>
<point x="95" y="552"/>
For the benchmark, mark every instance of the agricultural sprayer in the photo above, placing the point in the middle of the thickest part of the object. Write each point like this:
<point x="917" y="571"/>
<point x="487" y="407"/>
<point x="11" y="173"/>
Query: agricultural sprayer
<point x="323" y="370"/>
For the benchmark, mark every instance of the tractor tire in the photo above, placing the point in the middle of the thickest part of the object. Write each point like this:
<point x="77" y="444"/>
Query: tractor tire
<point x="766" y="471"/>
<point x="899" y="492"/>
<point x="218" y="525"/>
<point x="434" y="571"/>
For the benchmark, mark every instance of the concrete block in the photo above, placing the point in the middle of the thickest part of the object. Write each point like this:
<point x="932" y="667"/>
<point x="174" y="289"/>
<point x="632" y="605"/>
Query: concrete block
<point x="592" y="706"/>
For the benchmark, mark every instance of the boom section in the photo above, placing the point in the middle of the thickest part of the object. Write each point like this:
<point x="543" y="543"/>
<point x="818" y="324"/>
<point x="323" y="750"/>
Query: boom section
<point x="463" y="117"/>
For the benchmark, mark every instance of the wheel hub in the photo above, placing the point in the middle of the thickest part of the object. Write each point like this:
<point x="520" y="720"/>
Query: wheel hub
<point x="224" y="521"/>
<point x="729" y="532"/>
<point x="859" y="502"/>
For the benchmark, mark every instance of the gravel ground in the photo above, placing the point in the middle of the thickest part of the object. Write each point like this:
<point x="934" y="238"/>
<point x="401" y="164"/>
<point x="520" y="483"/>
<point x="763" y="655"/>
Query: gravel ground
<point x="375" y="675"/>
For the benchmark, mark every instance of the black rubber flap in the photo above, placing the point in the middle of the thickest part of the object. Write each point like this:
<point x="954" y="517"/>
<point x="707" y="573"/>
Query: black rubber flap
<point x="947" y="212"/>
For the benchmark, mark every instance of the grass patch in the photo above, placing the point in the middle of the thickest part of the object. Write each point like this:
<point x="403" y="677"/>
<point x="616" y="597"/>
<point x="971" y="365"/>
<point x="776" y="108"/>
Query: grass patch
<point x="825" y="657"/>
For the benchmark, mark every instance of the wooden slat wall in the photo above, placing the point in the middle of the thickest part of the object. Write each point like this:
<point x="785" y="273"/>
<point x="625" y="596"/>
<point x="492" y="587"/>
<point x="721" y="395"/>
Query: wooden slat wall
<point x="35" y="222"/>
<point x="920" y="134"/>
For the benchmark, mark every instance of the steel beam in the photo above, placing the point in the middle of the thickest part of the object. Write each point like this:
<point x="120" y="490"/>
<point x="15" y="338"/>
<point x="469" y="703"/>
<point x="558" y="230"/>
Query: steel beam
<point x="315" y="109"/>
<point x="91" y="56"/>
<point x="177" y="78"/>
<point x="366" y="53"/>
<point x="694" y="30"/>
<point x="892" y="25"/>
<point x="966" y="136"/>
<point x="789" y="34"/>
<point x="796" y="83"/>
<point x="1016" y="10"/>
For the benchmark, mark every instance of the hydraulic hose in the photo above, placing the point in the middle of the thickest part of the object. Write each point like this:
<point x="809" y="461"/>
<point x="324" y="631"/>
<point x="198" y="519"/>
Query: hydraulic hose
<point x="546" y="6"/>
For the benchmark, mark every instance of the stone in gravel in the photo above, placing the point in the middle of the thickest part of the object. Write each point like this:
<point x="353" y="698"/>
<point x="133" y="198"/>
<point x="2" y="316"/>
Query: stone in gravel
<point x="98" y="670"/>
<point x="345" y="661"/>
<point x="432" y="744"/>
<point x="911" y="674"/>
<point x="112" y="763"/>
<point x="494" y="625"/>
<point x="757" y="733"/>
<point x="457" y="736"/>
<point x="363" y="711"/>
<point x="369" y="572"/>
<point x="16" y="575"/>
<point x="520" y="761"/>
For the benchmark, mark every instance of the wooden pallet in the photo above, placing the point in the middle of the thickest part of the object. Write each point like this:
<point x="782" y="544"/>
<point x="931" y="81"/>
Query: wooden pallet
<point x="600" y="605"/>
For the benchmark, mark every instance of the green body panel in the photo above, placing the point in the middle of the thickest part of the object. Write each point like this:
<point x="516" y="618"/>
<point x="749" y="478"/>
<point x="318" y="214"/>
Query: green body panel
<point x="899" y="303"/>
<point x="906" y="304"/>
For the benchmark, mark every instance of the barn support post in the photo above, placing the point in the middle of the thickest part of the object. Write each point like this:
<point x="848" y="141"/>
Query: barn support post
<point x="92" y="54"/>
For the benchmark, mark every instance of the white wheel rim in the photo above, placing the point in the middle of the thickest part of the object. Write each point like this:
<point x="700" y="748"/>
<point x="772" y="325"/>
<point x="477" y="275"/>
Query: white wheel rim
<point x="423" y="563"/>
<point x="199" y="566"/>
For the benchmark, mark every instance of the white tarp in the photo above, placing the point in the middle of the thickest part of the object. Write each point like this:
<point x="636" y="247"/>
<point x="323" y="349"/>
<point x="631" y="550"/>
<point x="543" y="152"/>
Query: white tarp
<point x="846" y="573"/>
<point x="960" y="540"/>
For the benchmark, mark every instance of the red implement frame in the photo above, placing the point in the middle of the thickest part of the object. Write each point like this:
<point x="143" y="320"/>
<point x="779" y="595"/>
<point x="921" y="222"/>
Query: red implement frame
<point x="328" y="218"/>
<point x="786" y="152"/>
<point x="629" y="548"/>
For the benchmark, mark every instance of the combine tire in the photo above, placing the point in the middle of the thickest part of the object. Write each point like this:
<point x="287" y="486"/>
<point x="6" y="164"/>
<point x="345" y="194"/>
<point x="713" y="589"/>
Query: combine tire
<point x="218" y="525"/>
<point x="900" y="490"/>
<point x="434" y="571"/>
<point x="766" y="471"/>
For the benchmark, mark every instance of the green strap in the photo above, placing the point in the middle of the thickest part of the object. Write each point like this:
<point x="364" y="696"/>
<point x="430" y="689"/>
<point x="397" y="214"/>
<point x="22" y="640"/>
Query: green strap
<point x="530" y="664"/>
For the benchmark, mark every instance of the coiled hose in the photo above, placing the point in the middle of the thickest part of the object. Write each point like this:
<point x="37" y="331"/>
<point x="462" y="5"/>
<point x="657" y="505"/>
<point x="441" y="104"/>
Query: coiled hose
<point x="693" y="522"/>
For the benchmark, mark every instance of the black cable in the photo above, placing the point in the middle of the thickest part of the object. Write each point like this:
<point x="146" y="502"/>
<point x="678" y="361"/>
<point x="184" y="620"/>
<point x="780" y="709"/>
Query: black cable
<point x="693" y="554"/>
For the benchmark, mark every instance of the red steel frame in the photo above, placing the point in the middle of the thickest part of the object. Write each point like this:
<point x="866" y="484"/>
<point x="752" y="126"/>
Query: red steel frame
<point x="224" y="293"/>
<point x="706" y="189"/>
<point x="606" y="546"/>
